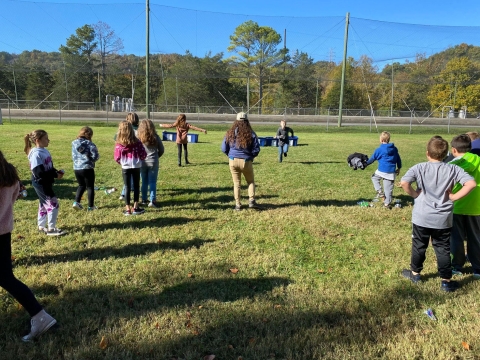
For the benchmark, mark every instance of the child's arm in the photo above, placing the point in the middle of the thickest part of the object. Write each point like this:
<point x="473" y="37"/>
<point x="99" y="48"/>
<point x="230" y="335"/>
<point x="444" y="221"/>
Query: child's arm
<point x="94" y="155"/>
<point x="290" y="131"/>
<point x="466" y="188"/>
<point x="407" y="187"/>
<point x="196" y="128"/>
<point x="167" y="125"/>
<point x="225" y="146"/>
<point x="117" y="154"/>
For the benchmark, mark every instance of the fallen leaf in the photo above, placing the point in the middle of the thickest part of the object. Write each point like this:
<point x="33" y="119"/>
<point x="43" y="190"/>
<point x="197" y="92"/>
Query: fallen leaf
<point x="234" y="270"/>
<point x="351" y="234"/>
<point x="465" y="345"/>
<point x="188" y="324"/>
<point x="13" y="258"/>
<point x="103" y="343"/>
<point x="157" y="325"/>
<point x="190" y="275"/>
<point x="19" y="306"/>
<point x="69" y="276"/>
<point x="277" y="306"/>
<point x="265" y="320"/>
<point x="200" y="306"/>
<point x="230" y="347"/>
<point x="195" y="332"/>
<point x="251" y="340"/>
<point x="159" y="241"/>
<point x="189" y="315"/>
<point x="209" y="357"/>
<point x="321" y="271"/>
<point x="20" y="237"/>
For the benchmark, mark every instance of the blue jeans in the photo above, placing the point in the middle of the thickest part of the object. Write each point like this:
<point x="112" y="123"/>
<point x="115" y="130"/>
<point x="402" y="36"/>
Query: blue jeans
<point x="149" y="175"/>
<point x="281" y="150"/>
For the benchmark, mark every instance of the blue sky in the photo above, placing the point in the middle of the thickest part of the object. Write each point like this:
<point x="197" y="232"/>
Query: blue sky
<point x="200" y="26"/>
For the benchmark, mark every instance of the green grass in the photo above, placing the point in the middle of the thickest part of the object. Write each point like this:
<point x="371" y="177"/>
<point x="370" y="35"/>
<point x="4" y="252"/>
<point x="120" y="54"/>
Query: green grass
<point x="318" y="276"/>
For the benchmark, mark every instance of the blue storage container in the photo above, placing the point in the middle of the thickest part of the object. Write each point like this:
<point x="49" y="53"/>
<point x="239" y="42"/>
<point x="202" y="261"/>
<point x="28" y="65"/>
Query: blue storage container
<point x="274" y="142"/>
<point x="265" y="141"/>
<point x="293" y="141"/>
<point x="169" y="136"/>
<point x="192" y="138"/>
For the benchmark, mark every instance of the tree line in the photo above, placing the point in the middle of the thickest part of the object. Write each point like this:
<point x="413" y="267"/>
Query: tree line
<point x="259" y="72"/>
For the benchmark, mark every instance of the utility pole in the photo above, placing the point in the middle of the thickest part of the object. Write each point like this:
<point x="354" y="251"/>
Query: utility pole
<point x="391" y="102"/>
<point x="147" y="64"/>
<point x="344" y="67"/>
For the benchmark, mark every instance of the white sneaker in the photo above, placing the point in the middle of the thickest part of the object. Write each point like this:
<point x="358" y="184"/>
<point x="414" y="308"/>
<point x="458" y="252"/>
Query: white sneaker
<point x="152" y="204"/>
<point x="77" y="206"/>
<point x="55" y="232"/>
<point x="40" y="323"/>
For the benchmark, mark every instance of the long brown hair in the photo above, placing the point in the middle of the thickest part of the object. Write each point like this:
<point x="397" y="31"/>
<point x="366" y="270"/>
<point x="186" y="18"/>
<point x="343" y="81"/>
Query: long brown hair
<point x="146" y="133"/>
<point x="8" y="173"/>
<point x="31" y="138"/>
<point x="132" y="118"/>
<point x="181" y="121"/>
<point x="240" y="134"/>
<point x="126" y="134"/>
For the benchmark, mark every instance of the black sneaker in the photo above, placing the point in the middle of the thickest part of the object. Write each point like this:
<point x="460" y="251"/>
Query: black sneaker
<point x="138" y="211"/>
<point x="285" y="154"/>
<point x="450" y="286"/>
<point x="253" y="205"/>
<point x="55" y="232"/>
<point x="409" y="275"/>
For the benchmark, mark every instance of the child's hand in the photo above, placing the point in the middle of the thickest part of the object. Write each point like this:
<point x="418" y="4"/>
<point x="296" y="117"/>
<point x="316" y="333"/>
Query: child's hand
<point x="397" y="172"/>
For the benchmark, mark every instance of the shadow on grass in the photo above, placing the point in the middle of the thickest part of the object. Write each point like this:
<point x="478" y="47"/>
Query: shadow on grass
<point x="362" y="327"/>
<point x="101" y="253"/>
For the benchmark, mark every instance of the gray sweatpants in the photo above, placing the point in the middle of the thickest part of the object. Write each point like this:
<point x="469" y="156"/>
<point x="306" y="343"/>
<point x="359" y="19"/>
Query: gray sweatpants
<point x="387" y="187"/>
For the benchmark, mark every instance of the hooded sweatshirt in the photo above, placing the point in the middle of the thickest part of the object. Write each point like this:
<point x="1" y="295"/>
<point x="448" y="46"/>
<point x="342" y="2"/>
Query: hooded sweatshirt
<point x="8" y="195"/>
<point x="470" y="204"/>
<point x="387" y="157"/>
<point x="84" y="154"/>
<point x="130" y="156"/>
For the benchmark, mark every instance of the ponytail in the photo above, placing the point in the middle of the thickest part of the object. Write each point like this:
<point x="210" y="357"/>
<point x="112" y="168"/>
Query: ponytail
<point x="31" y="139"/>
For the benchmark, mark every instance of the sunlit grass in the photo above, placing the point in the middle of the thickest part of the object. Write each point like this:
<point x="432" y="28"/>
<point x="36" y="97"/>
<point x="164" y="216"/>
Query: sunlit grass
<point x="318" y="276"/>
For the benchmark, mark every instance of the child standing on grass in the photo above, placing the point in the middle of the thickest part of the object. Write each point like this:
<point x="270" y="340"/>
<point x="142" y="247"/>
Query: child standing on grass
<point x="84" y="154"/>
<point x="182" y="131"/>
<point x="129" y="152"/>
<point x="389" y="165"/>
<point x="149" y="171"/>
<point x="43" y="177"/>
<point x="432" y="211"/>
<point x="466" y="211"/>
<point x="283" y="139"/>
<point x="9" y="192"/>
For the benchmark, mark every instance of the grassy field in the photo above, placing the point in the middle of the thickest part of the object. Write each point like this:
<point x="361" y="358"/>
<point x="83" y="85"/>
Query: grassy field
<point x="313" y="276"/>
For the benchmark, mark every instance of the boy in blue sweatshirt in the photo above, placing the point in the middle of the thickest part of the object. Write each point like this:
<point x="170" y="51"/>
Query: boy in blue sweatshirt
<point x="389" y="165"/>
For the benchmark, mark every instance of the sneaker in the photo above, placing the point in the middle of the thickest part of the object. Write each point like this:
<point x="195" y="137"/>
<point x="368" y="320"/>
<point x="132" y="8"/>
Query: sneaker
<point x="91" y="208"/>
<point x="77" y="206"/>
<point x="409" y="275"/>
<point x="187" y="162"/>
<point x="42" y="230"/>
<point x="55" y="232"/>
<point x="40" y="323"/>
<point x="285" y="154"/>
<point x="179" y="164"/>
<point x="127" y="212"/>
<point x="387" y="206"/>
<point x="456" y="272"/>
<point x="450" y="286"/>
<point x="138" y="211"/>
<point x="152" y="204"/>
<point x="379" y="195"/>
<point x="238" y="207"/>
<point x="253" y="205"/>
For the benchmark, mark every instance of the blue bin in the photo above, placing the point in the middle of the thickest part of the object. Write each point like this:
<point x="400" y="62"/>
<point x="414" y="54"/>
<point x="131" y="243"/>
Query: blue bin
<point x="169" y="136"/>
<point x="265" y="141"/>
<point x="274" y="142"/>
<point x="192" y="138"/>
<point x="293" y="141"/>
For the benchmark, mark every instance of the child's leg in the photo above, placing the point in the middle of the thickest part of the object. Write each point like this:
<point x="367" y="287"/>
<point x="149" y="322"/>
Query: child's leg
<point x="388" y="190"/>
<point x="249" y="177"/>
<point x="420" y="240"/>
<point x="52" y="206"/>
<point x="126" y="174"/>
<point x="136" y="186"/>
<point x="376" y="183"/>
<point x="179" y="154"/>
<point x="237" y="178"/>
<point x="280" y="153"/>
<point x="457" y="248"/>
<point x="152" y="181"/>
<point x="144" y="175"/>
<point x="473" y="242"/>
<point x="441" y="245"/>
<point x="42" y="212"/>
<point x="186" y="153"/>
<point x="285" y="149"/>
<point x="80" y="175"/>
<point x="10" y="283"/>
<point x="90" y="182"/>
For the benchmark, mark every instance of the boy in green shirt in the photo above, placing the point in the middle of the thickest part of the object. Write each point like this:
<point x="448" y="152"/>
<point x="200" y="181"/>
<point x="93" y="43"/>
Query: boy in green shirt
<point x="466" y="211"/>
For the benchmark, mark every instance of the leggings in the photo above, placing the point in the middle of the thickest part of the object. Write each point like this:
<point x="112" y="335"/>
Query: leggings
<point x="86" y="181"/>
<point x="10" y="283"/>
<point x="47" y="207"/>
<point x="179" y="147"/>
<point x="131" y="176"/>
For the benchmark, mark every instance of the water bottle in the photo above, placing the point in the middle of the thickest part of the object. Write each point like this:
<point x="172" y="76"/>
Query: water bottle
<point x="109" y="191"/>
